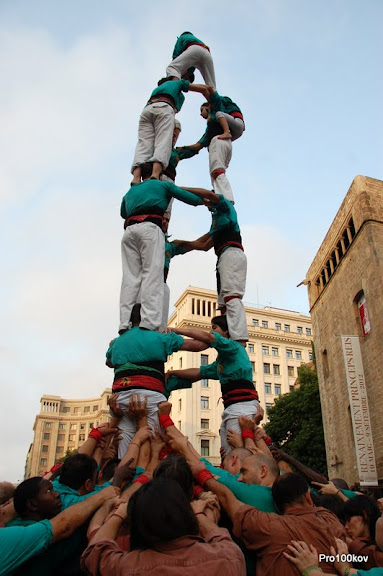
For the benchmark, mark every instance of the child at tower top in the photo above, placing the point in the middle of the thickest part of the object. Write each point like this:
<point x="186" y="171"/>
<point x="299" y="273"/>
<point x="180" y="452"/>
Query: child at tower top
<point x="190" y="53"/>
<point x="156" y="125"/>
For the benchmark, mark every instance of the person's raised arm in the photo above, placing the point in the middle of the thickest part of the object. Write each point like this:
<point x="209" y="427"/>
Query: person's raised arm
<point x="307" y="473"/>
<point x="95" y="436"/>
<point x="192" y="374"/>
<point x="203" y="243"/>
<point x="201" y="88"/>
<point x="203" y="193"/>
<point x="196" y="334"/>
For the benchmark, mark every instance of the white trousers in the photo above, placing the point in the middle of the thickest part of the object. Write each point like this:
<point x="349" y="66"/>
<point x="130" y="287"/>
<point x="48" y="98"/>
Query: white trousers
<point x="230" y="419"/>
<point x="198" y="57"/>
<point x="232" y="268"/>
<point x="165" y="308"/>
<point x="127" y="426"/>
<point x="155" y="134"/>
<point x="219" y="159"/>
<point x="142" y="252"/>
<point x="236" y="125"/>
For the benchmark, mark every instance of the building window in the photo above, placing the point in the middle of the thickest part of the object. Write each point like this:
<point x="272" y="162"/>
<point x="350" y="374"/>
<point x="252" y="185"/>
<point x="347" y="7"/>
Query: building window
<point x="266" y="368"/>
<point x="205" y="447"/>
<point x="179" y="404"/>
<point x="62" y="426"/>
<point x="289" y="353"/>
<point x="291" y="388"/>
<point x="44" y="448"/>
<point x="265" y="350"/>
<point x="277" y="389"/>
<point x="82" y="437"/>
<point x="287" y="327"/>
<point x="204" y="362"/>
<point x="308" y="331"/>
<point x="252" y="366"/>
<point x="82" y="426"/>
<point x="265" y="324"/>
<point x="204" y="403"/>
<point x="76" y="410"/>
<point x="46" y="435"/>
<point x="43" y="461"/>
<point x="72" y="437"/>
<point x="73" y="426"/>
<point x="290" y="371"/>
<point x="268" y="406"/>
<point x="275" y="351"/>
<point x="95" y="408"/>
<point x="204" y="423"/>
<point x="91" y="425"/>
<point x="66" y="409"/>
<point x="299" y="329"/>
<point x="86" y="409"/>
<point x="60" y="437"/>
<point x="267" y="388"/>
<point x="276" y="370"/>
<point x="48" y="425"/>
<point x="310" y="356"/>
<point x="250" y="348"/>
<point x="180" y="362"/>
<point x="255" y="322"/>
<point x="59" y="449"/>
<point x="298" y="354"/>
<point x="278" y="326"/>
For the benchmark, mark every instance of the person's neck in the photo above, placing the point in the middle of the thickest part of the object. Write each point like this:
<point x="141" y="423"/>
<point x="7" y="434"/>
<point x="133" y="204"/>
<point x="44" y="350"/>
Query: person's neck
<point x="35" y="516"/>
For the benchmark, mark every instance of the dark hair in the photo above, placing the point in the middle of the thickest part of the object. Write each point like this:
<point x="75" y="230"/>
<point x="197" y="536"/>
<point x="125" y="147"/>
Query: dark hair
<point x="26" y="491"/>
<point x="331" y="502"/>
<point x="221" y="321"/>
<point x="77" y="469"/>
<point x="191" y="33"/>
<point x="340" y="483"/>
<point x="205" y="105"/>
<point x="365" y="507"/>
<point x="175" y="467"/>
<point x="146" y="170"/>
<point x="159" y="512"/>
<point x="135" y="316"/>
<point x="163" y="80"/>
<point x="289" y="489"/>
<point x="108" y="471"/>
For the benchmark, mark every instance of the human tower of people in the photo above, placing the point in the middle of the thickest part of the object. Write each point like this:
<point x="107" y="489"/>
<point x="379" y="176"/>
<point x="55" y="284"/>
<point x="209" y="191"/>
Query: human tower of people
<point x="157" y="508"/>
<point x="139" y="353"/>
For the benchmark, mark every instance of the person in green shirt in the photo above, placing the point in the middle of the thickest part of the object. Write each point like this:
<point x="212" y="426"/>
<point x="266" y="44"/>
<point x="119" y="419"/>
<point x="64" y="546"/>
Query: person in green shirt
<point x="156" y="125"/>
<point x="190" y="53"/>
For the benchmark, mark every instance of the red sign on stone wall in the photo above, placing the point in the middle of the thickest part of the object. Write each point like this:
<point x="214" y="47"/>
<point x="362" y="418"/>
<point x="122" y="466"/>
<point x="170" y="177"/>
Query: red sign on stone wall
<point x="363" y="314"/>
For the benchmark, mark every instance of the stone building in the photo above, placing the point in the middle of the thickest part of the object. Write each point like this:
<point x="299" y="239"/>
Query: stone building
<point x="345" y="291"/>
<point x="279" y="341"/>
<point x="63" y="425"/>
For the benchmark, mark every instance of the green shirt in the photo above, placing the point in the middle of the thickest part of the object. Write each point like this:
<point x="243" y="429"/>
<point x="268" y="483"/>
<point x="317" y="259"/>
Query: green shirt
<point x="172" y="250"/>
<point x="139" y="346"/>
<point x="232" y="362"/>
<point x="183" y="42"/>
<point x="173" y="89"/>
<point x="70" y="496"/>
<point x="223" y="215"/>
<point x="152" y="195"/>
<point x="258" y="496"/>
<point x="20" y="543"/>
<point x="223" y="104"/>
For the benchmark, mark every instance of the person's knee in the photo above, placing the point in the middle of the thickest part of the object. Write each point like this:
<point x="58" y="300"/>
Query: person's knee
<point x="218" y="172"/>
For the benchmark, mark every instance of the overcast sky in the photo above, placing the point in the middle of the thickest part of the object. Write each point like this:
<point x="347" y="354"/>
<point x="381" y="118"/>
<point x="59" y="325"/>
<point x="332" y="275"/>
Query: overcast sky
<point x="74" y="77"/>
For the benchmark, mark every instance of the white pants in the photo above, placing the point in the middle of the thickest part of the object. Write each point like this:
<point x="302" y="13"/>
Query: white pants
<point x="165" y="308"/>
<point x="219" y="159"/>
<point x="127" y="426"/>
<point x="195" y="56"/>
<point x="232" y="268"/>
<point x="230" y="419"/>
<point x="142" y="252"/>
<point x="155" y="134"/>
<point x="236" y="125"/>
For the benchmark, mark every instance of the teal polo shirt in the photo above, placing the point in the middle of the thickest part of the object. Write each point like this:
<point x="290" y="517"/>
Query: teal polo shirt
<point x="223" y="104"/>
<point x="258" y="496"/>
<point x="172" y="250"/>
<point x="223" y="215"/>
<point x="151" y="195"/>
<point x="20" y="543"/>
<point x="232" y="362"/>
<point x="183" y="42"/>
<point x="139" y="346"/>
<point x="173" y="89"/>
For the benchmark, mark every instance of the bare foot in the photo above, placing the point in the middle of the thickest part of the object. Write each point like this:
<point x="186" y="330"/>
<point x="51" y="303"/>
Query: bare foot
<point x="224" y="136"/>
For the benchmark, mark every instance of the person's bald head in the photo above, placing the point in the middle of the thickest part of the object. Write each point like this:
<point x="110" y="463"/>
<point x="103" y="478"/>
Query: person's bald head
<point x="232" y="461"/>
<point x="260" y="469"/>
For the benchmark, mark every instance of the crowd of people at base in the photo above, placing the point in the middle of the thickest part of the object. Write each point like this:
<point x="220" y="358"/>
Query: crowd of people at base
<point x="163" y="509"/>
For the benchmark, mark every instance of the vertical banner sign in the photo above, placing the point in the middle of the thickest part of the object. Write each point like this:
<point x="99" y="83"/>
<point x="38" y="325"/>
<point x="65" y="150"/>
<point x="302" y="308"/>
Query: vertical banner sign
<point x="363" y="314"/>
<point x="360" y="414"/>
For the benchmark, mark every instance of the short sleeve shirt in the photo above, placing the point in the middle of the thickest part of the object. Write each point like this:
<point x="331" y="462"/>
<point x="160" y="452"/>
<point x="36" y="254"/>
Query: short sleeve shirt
<point x="20" y="543"/>
<point x="232" y="362"/>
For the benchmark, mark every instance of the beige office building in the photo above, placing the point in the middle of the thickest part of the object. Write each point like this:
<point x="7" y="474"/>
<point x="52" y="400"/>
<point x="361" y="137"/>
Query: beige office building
<point x="279" y="342"/>
<point x="63" y="425"/>
<point x="346" y="294"/>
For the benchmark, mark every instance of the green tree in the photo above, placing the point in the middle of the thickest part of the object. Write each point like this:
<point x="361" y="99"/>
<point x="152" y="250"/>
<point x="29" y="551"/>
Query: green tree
<point x="296" y="422"/>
